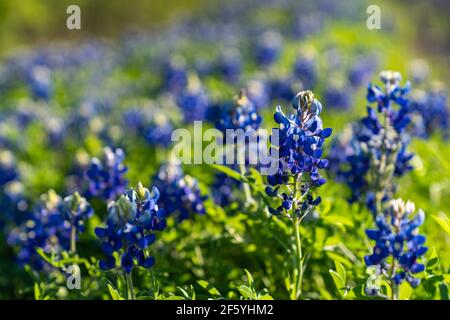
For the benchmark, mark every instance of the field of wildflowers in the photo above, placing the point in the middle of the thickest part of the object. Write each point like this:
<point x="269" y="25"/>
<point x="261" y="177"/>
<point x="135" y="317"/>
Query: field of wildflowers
<point x="96" y="204"/>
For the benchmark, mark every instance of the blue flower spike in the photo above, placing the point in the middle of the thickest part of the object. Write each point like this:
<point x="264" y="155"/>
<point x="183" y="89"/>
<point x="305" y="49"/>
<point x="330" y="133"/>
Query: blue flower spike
<point x="301" y="137"/>
<point x="106" y="176"/>
<point x="398" y="245"/>
<point x="130" y="229"/>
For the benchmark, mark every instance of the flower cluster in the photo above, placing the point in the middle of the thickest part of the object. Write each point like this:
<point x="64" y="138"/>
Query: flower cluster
<point x="40" y="82"/>
<point x="132" y="221"/>
<point x="13" y="204"/>
<point x="258" y="92"/>
<point x="396" y="237"/>
<point x="305" y="70"/>
<point x="175" y="74"/>
<point x="361" y="70"/>
<point x="433" y="111"/>
<point x="301" y="138"/>
<point x="376" y="150"/>
<point x="229" y="65"/>
<point x="268" y="48"/>
<point x="156" y="127"/>
<point x="193" y="100"/>
<point x="223" y="188"/>
<point x="8" y="172"/>
<point x="49" y="227"/>
<point x="239" y="115"/>
<point x="338" y="96"/>
<point x="75" y="209"/>
<point x="180" y="193"/>
<point x="106" y="177"/>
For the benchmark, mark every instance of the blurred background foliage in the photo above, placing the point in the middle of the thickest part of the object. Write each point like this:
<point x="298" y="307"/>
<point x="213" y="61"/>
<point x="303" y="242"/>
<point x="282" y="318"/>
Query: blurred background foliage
<point x="412" y="29"/>
<point x="31" y="22"/>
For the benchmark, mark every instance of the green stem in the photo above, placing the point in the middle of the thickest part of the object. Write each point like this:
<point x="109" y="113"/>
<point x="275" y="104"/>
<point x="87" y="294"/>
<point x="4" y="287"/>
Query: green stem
<point x="130" y="287"/>
<point x="73" y="239"/>
<point x="247" y="192"/>
<point x="394" y="287"/>
<point x="298" y="243"/>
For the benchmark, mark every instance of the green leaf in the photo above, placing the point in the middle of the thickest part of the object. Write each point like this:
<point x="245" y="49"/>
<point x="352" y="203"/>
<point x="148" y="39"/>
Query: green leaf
<point x="37" y="291"/>
<point x="386" y="288"/>
<point x="337" y="257"/>
<point x="444" y="222"/>
<point x="246" y="292"/>
<point x="405" y="291"/>
<point x="443" y="291"/>
<point x="249" y="278"/>
<point x="229" y="172"/>
<point x="434" y="261"/>
<point x="338" y="220"/>
<point x="341" y="270"/>
<point x="44" y="256"/>
<point x="173" y="298"/>
<point x="338" y="280"/>
<point x="114" y="293"/>
<point x="265" y="297"/>
<point x="339" y="277"/>
<point x="208" y="287"/>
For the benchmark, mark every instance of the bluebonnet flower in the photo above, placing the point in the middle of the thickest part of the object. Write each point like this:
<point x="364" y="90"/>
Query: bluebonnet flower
<point x="281" y="88"/>
<point x="224" y="189"/>
<point x="130" y="229"/>
<point x="134" y="119"/>
<point x="259" y="93"/>
<point x="338" y="96"/>
<point x="193" y="100"/>
<point x="40" y="82"/>
<point x="24" y="115"/>
<point x="8" y="170"/>
<point x="156" y="127"/>
<point x="361" y="70"/>
<point x="75" y="209"/>
<point x="175" y="74"/>
<point x="241" y="114"/>
<point x="305" y="70"/>
<point x="376" y="150"/>
<point x="46" y="228"/>
<point x="56" y="130"/>
<point x="159" y="131"/>
<point x="13" y="204"/>
<point x="229" y="65"/>
<point x="180" y="193"/>
<point x="90" y="116"/>
<point x="398" y="246"/>
<point x="106" y="176"/>
<point x="268" y="48"/>
<point x="301" y="138"/>
<point x="432" y="109"/>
